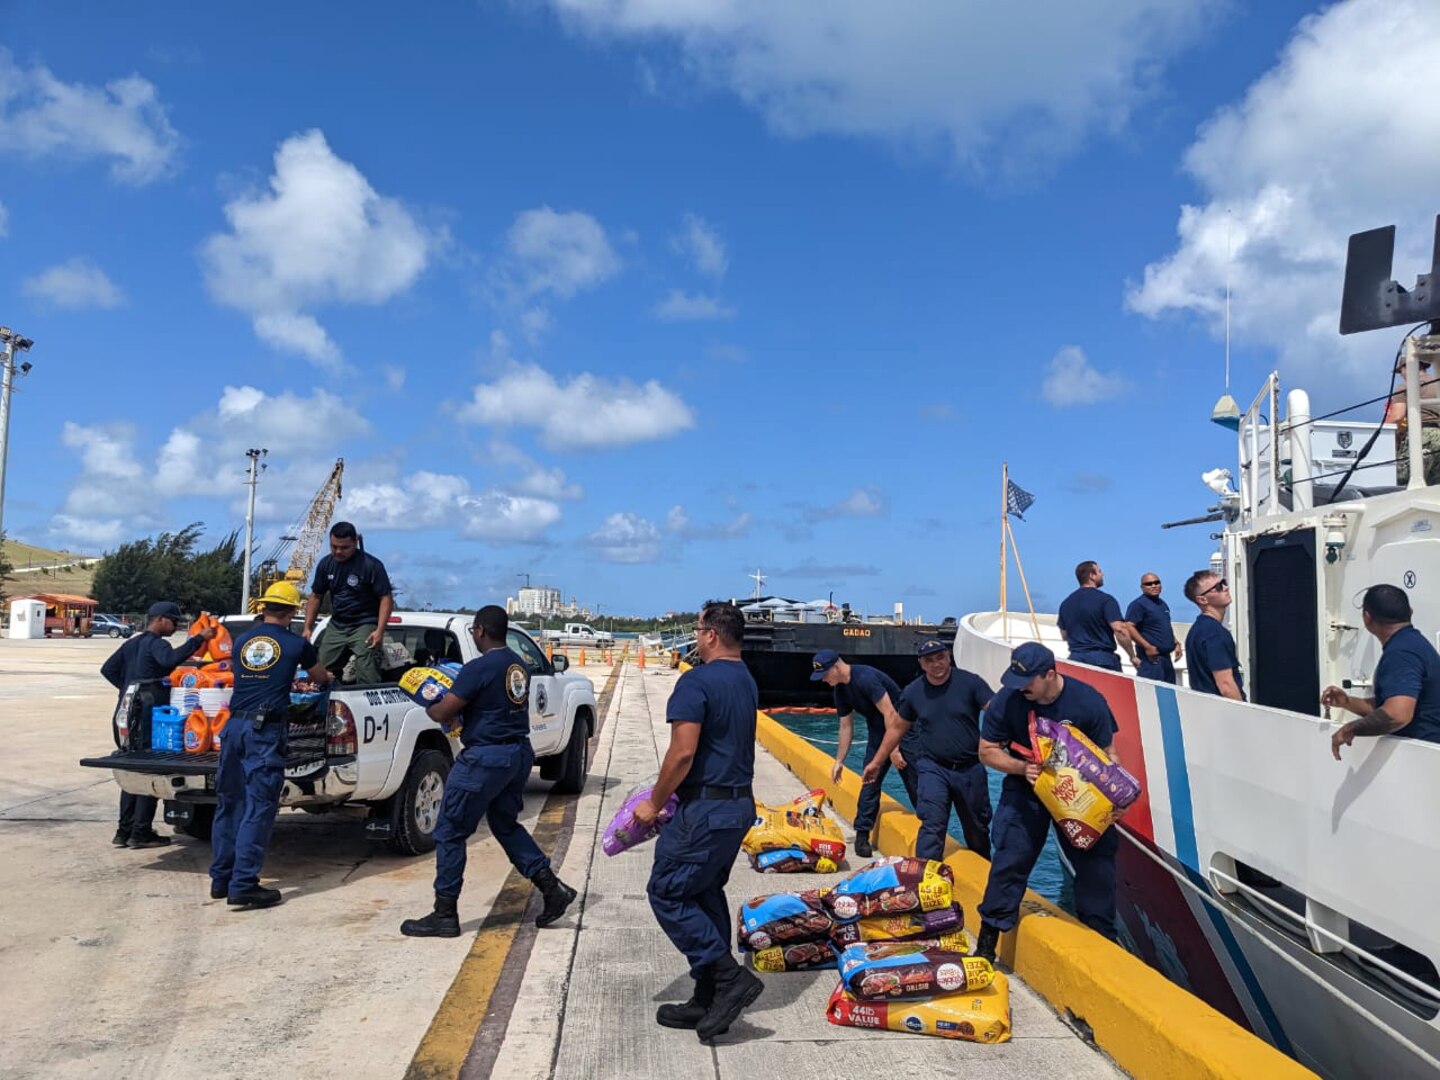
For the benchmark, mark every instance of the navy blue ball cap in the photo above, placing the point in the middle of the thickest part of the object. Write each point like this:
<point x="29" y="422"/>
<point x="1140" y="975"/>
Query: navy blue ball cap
<point x="1026" y="662"/>
<point x="822" y="662"/>
<point x="165" y="609"/>
<point x="931" y="645"/>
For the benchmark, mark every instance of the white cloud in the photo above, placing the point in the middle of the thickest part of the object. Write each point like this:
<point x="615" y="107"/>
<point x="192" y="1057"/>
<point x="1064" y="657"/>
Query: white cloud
<point x="535" y="479"/>
<point x="319" y="235"/>
<point x="1071" y="380"/>
<point x="554" y="253"/>
<point x="535" y="323"/>
<point x="586" y="413"/>
<point x="73" y="285"/>
<point x="627" y="538"/>
<point x="1341" y="135"/>
<point x="394" y="376"/>
<point x="680" y="306"/>
<point x="961" y="76"/>
<point x="863" y="502"/>
<point x="427" y="500"/>
<point x="122" y="122"/>
<point x="110" y="499"/>
<point x="702" y="245"/>
<point x="677" y="521"/>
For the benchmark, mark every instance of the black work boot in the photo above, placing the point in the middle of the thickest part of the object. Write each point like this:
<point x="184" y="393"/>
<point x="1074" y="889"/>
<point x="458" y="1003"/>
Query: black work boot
<point x="556" y="893"/>
<point x="863" y="849"/>
<point x="149" y="839"/>
<point x="689" y="1014"/>
<point x="257" y="896"/>
<point x="121" y="838"/>
<point x="986" y="943"/>
<point x="444" y="921"/>
<point x="735" y="990"/>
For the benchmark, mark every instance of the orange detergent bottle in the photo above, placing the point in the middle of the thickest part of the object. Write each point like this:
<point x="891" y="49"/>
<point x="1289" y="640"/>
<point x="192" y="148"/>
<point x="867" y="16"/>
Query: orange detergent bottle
<point x="197" y="732"/>
<point x="217" y="723"/>
<point x="184" y="676"/>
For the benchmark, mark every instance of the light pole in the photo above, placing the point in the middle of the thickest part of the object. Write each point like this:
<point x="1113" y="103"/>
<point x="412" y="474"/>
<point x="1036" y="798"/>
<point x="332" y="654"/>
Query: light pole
<point x="10" y="344"/>
<point x="255" y="470"/>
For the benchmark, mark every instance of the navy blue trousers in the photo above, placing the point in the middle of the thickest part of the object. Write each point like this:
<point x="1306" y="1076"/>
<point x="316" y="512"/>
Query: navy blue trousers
<point x="249" y="782"/>
<point x="693" y="858"/>
<point x="867" y="807"/>
<point x="1161" y="669"/>
<point x="967" y="790"/>
<point x="1018" y="834"/>
<point x="485" y="782"/>
<point x="1100" y="658"/>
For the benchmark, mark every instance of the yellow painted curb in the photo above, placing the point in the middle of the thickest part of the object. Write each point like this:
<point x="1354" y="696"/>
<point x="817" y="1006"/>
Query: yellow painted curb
<point x="1149" y="1026"/>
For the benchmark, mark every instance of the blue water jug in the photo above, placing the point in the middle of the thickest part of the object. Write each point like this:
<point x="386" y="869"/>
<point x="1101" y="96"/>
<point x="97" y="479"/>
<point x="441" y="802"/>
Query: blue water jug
<point x="167" y="729"/>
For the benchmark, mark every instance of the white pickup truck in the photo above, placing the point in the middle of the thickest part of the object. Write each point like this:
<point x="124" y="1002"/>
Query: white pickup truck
<point x="579" y="633"/>
<point x="372" y="747"/>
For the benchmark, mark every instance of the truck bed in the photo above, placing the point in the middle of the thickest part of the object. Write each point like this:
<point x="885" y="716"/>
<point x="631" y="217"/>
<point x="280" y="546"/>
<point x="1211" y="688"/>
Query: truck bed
<point x="306" y="747"/>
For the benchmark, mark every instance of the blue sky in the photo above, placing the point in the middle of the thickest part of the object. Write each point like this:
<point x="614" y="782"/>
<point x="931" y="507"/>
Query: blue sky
<point x="637" y="297"/>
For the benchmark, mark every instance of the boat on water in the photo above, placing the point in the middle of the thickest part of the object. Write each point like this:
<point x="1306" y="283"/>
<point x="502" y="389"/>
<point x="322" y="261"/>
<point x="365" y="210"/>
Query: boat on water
<point x="1291" y="892"/>
<point x="782" y="635"/>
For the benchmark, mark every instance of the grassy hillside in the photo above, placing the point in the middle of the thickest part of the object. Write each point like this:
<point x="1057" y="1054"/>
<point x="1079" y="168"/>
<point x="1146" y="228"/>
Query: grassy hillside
<point x="38" y="569"/>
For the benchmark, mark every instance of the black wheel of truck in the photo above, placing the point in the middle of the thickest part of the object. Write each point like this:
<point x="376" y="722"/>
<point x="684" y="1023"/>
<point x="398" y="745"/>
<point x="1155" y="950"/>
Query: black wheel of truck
<point x="416" y="809"/>
<point x="202" y="820"/>
<point x="575" y="760"/>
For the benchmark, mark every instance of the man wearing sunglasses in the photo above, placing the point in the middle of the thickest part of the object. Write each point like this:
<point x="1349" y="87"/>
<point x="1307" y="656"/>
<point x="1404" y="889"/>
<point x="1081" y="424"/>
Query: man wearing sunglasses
<point x="1147" y="620"/>
<point x="1214" y="661"/>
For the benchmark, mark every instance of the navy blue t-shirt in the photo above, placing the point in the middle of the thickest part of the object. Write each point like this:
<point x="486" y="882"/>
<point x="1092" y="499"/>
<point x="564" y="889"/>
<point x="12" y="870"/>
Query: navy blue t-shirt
<point x="862" y="694"/>
<point x="1210" y="647"/>
<point x="147" y="657"/>
<point x="496" y="689"/>
<point x="1079" y="704"/>
<point x="946" y="718"/>
<point x="355" y="587"/>
<point x="265" y="660"/>
<point x="1150" y="615"/>
<point x="1410" y="667"/>
<point x="1085" y="616"/>
<point x="722" y="698"/>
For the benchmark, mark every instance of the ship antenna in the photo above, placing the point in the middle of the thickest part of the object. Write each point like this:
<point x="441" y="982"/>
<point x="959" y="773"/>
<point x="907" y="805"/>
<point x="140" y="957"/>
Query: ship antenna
<point x="1226" y="413"/>
<point x="759" y="580"/>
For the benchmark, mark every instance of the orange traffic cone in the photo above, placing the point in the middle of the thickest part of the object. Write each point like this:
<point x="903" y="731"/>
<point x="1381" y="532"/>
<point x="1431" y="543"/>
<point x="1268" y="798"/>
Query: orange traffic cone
<point x="641" y="659"/>
<point x="582" y="656"/>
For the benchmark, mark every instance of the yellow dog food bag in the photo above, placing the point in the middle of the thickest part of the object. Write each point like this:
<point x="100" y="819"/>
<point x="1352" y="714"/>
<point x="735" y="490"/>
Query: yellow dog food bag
<point x="800" y="823"/>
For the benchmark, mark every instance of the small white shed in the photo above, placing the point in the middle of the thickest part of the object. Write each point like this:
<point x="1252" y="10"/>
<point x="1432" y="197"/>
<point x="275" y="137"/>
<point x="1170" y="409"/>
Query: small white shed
<point x="27" y="619"/>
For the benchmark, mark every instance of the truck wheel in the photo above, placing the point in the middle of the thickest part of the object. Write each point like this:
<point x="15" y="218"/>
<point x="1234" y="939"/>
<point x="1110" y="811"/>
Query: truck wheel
<point x="416" y="809"/>
<point x="575" y="760"/>
<point x="202" y="820"/>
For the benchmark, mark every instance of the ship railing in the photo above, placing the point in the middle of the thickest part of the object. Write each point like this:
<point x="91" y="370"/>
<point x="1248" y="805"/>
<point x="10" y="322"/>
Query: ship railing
<point x="1259" y="452"/>
<point x="1313" y="930"/>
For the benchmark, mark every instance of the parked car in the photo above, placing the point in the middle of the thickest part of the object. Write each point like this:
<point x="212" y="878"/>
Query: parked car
<point x="110" y="626"/>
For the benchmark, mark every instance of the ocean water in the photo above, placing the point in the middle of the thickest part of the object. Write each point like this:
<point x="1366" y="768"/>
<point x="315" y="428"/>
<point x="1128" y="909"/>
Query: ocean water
<point x="821" y="730"/>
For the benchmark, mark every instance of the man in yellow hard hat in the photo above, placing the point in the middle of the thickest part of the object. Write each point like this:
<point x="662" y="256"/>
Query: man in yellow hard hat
<point x="253" y="745"/>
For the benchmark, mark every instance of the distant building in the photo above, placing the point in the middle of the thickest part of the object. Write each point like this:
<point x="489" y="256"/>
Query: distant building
<point x="534" y="600"/>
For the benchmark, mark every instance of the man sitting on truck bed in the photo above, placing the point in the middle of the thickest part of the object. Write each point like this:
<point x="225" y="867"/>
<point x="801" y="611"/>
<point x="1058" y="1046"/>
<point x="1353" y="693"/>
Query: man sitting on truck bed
<point x="360" y="605"/>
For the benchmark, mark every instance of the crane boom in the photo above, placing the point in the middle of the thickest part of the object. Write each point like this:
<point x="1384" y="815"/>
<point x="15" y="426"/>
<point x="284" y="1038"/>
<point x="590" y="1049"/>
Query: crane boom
<point x="307" y="536"/>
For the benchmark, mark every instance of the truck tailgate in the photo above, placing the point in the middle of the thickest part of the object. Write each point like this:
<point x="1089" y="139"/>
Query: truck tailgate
<point x="306" y="748"/>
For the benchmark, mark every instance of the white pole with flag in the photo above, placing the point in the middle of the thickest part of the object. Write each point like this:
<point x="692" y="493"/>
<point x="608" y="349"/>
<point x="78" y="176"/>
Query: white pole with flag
<point x="1004" y="528"/>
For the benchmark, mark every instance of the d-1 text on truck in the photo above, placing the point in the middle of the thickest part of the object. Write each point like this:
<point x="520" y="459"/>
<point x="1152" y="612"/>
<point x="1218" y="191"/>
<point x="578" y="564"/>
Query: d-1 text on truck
<point x="579" y="633"/>
<point x="372" y="747"/>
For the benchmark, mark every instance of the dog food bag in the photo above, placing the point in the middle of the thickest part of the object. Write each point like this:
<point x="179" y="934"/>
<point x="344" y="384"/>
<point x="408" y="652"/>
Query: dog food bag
<point x="1082" y="788"/>
<point x="892" y="970"/>
<point x="426" y="685"/>
<point x="978" y="1016"/>
<point x="783" y="918"/>
<point x="892" y="886"/>
<point x="801" y="956"/>
<point x="799" y="823"/>
<point x="624" y="832"/>
<point x="791" y="861"/>
<point x="915" y="924"/>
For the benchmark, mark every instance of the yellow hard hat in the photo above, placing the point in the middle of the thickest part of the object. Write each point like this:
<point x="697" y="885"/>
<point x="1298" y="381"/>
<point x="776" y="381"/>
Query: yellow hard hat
<point x="283" y="593"/>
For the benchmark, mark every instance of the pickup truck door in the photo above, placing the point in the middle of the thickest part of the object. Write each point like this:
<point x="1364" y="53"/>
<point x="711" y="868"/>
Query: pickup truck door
<point x="547" y="715"/>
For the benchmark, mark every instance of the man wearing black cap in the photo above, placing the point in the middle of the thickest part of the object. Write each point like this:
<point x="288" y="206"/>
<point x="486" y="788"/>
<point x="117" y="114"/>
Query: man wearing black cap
<point x="1032" y="687"/>
<point x="870" y="692"/>
<point x="942" y="710"/>
<point x="361" y="601"/>
<point x="1407" y="678"/>
<point x="138" y="669"/>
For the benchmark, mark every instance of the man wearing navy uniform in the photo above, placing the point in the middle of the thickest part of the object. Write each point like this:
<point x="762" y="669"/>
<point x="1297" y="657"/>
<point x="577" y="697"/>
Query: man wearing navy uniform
<point x="253" y="745"/>
<point x="1090" y="621"/>
<point x="1214" y="660"/>
<point x="710" y="765"/>
<point x="360" y="604"/>
<point x="1032" y="686"/>
<point x="139" y="668"/>
<point x="870" y="692"/>
<point x="1407" y="678"/>
<point x="941" y="710"/>
<point x="1147" y="621"/>
<point x="490" y="701"/>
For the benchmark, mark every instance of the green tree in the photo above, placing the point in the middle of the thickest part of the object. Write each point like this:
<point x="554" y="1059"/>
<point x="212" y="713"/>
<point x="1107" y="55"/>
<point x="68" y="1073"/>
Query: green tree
<point x="5" y="569"/>
<point x="168" y="567"/>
